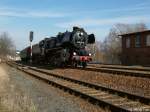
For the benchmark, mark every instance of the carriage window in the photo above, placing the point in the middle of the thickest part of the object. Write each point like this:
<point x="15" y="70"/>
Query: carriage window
<point x="137" y="41"/>
<point x="148" y="40"/>
<point x="128" y="42"/>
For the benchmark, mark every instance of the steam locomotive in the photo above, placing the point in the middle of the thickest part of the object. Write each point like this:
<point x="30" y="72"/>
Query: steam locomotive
<point x="68" y="48"/>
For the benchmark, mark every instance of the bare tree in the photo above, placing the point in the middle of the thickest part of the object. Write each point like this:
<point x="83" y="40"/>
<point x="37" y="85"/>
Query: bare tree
<point x="6" y="46"/>
<point x="111" y="47"/>
<point x="129" y="28"/>
<point x="95" y="50"/>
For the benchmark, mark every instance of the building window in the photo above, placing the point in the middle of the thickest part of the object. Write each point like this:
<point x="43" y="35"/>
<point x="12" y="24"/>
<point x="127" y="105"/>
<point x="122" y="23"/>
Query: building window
<point x="148" y="40"/>
<point x="138" y="41"/>
<point x="128" y="42"/>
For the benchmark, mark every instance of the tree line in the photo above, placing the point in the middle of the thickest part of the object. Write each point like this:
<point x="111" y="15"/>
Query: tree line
<point x="109" y="51"/>
<point x="7" y="47"/>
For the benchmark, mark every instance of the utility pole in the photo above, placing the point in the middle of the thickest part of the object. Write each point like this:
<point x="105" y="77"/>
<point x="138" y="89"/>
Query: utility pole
<point x="31" y="39"/>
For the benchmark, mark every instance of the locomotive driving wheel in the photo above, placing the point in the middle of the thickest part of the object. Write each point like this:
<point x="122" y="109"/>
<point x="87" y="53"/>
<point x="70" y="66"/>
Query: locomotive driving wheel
<point x="74" y="64"/>
<point x="56" y="61"/>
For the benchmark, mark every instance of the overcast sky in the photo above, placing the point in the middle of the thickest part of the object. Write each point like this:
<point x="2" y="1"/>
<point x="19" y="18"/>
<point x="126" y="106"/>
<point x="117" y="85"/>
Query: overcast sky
<point x="48" y="17"/>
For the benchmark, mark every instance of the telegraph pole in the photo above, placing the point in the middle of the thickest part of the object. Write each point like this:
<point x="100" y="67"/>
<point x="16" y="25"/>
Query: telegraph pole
<point x="31" y="39"/>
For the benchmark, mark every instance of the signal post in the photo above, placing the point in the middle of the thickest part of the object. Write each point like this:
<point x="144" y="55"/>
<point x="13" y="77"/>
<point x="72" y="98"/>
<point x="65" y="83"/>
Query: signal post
<point x="31" y="39"/>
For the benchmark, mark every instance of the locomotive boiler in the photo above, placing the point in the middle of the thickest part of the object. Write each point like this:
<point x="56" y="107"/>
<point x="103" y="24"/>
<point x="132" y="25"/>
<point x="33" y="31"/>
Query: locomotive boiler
<point x="68" y="48"/>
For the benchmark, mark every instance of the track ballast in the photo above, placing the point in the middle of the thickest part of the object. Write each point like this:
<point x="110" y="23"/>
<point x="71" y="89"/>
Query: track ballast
<point x="104" y="97"/>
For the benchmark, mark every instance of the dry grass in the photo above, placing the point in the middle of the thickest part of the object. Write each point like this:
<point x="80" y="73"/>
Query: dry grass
<point x="11" y="99"/>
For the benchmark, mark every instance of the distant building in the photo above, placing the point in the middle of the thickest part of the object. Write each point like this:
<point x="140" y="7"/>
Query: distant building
<point x="17" y="52"/>
<point x="136" y="48"/>
<point x="17" y="57"/>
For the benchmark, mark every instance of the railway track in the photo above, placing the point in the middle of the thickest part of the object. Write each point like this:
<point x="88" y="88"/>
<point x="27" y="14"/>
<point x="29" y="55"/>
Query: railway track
<point x="114" y="70"/>
<point x="117" y="101"/>
<point x="135" y="68"/>
<point x="119" y="71"/>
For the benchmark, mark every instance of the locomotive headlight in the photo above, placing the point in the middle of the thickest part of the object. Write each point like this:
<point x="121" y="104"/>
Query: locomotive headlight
<point x="90" y="54"/>
<point x="74" y="53"/>
<point x="80" y="34"/>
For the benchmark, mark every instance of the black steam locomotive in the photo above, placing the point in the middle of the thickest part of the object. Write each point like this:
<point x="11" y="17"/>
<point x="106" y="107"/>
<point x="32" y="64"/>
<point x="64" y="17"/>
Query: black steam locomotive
<point x="66" y="48"/>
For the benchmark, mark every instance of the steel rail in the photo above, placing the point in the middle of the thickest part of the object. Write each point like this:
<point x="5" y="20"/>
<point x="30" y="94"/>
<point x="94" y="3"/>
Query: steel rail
<point x="97" y="89"/>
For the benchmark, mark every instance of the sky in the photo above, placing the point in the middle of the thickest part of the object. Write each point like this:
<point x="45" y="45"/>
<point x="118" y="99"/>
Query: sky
<point x="48" y="17"/>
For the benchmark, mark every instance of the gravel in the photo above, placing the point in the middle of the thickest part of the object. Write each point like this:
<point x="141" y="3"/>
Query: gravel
<point x="45" y="98"/>
<point x="136" y="85"/>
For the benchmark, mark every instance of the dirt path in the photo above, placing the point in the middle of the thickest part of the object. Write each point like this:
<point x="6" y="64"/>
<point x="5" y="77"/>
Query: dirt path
<point x="3" y="79"/>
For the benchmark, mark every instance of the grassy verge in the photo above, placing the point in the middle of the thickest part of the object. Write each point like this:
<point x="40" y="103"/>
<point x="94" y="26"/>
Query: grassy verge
<point x="11" y="98"/>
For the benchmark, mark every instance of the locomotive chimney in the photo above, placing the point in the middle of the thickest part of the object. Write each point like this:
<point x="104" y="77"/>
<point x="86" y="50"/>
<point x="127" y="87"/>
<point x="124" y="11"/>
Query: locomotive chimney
<point x="75" y="28"/>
